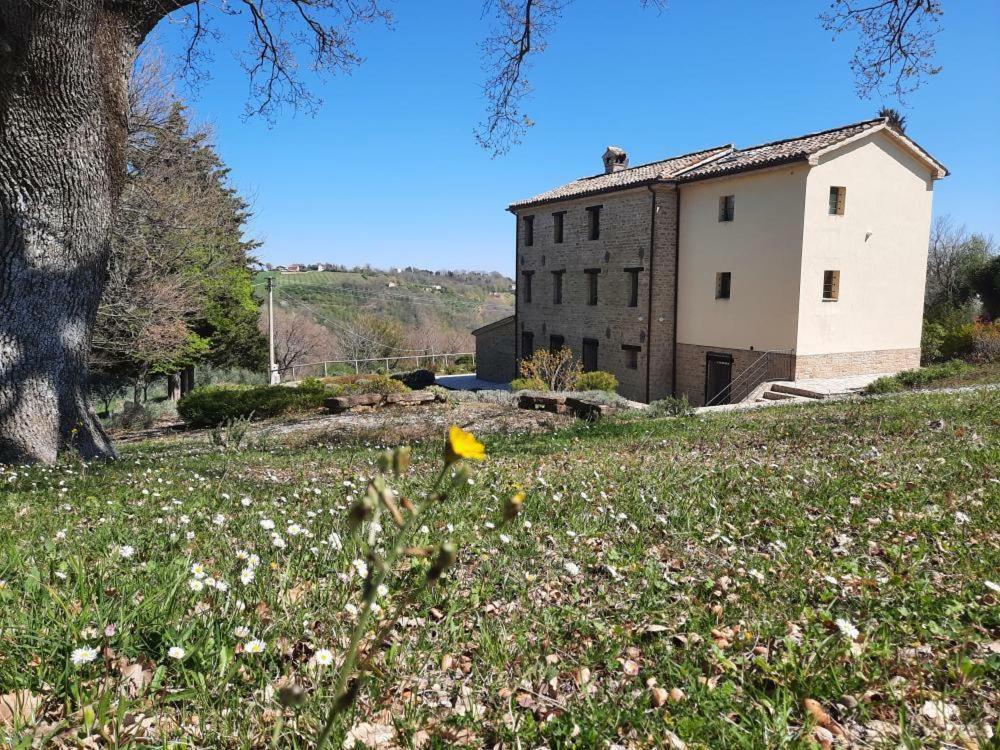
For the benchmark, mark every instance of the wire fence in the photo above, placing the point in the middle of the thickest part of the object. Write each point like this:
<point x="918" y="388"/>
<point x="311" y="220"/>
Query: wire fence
<point x="391" y="364"/>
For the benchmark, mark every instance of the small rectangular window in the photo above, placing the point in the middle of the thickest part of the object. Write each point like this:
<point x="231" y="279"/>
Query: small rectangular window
<point x="557" y="227"/>
<point x="556" y="343"/>
<point x="727" y="207"/>
<point x="527" y="344"/>
<point x="592" y="276"/>
<point x="838" y="196"/>
<point x="631" y="356"/>
<point x="526" y="285"/>
<point x="723" y="284"/>
<point x="633" y="286"/>
<point x="557" y="287"/>
<point x="590" y="355"/>
<point x="594" y="220"/>
<point x="831" y="286"/>
<point x="529" y="231"/>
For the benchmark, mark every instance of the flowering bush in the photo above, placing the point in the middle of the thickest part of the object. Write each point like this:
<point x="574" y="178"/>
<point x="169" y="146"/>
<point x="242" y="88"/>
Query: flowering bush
<point x="557" y="370"/>
<point x="986" y="342"/>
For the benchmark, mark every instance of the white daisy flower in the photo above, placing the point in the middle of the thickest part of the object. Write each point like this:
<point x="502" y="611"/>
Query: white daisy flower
<point x="126" y="551"/>
<point x="83" y="655"/>
<point x="241" y="631"/>
<point x="246" y="577"/>
<point x="176" y="652"/>
<point x="256" y="646"/>
<point x="277" y="541"/>
<point x="267" y="524"/>
<point x="847" y="629"/>
<point x="323" y="657"/>
<point x="195" y="585"/>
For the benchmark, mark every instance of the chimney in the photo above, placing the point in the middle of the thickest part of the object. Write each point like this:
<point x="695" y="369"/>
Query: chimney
<point x="615" y="160"/>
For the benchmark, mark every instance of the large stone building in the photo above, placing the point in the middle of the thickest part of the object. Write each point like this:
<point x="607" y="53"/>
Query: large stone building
<point x="707" y="273"/>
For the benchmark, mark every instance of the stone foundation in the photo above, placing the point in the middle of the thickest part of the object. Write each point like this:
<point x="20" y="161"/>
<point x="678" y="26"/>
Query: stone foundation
<point x="843" y="364"/>
<point x="691" y="367"/>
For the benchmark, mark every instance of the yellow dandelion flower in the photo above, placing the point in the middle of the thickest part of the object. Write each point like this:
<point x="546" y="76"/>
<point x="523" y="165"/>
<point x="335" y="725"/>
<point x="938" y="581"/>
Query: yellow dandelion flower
<point x="462" y="444"/>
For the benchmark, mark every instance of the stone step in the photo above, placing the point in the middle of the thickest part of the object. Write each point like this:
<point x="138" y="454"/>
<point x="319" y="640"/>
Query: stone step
<point x="796" y="391"/>
<point x="776" y="396"/>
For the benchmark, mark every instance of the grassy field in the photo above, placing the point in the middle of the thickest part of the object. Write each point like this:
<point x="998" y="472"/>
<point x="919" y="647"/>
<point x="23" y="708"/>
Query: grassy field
<point x="814" y="576"/>
<point x="461" y="304"/>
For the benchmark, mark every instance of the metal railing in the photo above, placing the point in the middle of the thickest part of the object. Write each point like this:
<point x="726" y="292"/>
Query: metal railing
<point x="776" y="364"/>
<point x="322" y="369"/>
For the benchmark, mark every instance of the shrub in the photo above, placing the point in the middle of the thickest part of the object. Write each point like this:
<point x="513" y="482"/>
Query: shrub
<point x="213" y="405"/>
<point x="909" y="379"/>
<point x="382" y="384"/>
<point x="557" y="370"/>
<point x="416" y="379"/>
<point x="671" y="407"/>
<point x="528" y="384"/>
<point x="957" y="341"/>
<point x="597" y="380"/>
<point x="931" y="338"/>
<point x="132" y="417"/>
<point x="986" y="342"/>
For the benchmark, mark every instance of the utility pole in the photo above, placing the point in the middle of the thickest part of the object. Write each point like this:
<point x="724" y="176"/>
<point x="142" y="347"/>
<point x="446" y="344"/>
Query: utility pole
<point x="275" y="378"/>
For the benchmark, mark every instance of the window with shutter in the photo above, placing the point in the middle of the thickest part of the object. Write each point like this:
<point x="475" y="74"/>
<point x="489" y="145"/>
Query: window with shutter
<point x="727" y="207"/>
<point x="831" y="286"/>
<point x="838" y="197"/>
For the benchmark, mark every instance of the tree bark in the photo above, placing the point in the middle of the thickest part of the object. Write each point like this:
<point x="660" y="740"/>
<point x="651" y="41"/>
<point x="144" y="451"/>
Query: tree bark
<point x="174" y="387"/>
<point x="64" y="68"/>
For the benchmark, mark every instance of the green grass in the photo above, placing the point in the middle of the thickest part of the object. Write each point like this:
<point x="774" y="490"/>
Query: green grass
<point x="712" y="554"/>
<point x="952" y="374"/>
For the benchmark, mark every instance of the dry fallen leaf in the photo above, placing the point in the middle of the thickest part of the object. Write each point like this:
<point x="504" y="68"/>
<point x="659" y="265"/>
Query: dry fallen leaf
<point x="18" y="707"/>
<point x="823" y="719"/>
<point x="657" y="696"/>
<point x="370" y="735"/>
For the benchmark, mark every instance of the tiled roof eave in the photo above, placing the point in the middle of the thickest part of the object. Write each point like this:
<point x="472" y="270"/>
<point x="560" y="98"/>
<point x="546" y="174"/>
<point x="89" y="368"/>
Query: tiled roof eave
<point x="514" y="207"/>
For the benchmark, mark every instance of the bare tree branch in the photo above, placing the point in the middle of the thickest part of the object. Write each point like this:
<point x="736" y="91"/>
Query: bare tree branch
<point x="896" y="42"/>
<point x="520" y="30"/>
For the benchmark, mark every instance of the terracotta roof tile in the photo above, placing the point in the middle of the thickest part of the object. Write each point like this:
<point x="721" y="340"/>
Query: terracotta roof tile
<point x="631" y="177"/>
<point x="777" y="152"/>
<point x="713" y="162"/>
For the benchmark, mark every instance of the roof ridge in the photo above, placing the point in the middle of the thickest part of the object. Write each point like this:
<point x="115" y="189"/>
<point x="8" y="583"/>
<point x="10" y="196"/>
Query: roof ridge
<point x="873" y="121"/>
<point x="657" y="161"/>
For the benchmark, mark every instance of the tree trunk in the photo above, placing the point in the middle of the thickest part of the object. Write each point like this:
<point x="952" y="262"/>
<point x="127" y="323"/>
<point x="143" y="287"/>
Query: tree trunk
<point x="174" y="387"/>
<point x="64" y="70"/>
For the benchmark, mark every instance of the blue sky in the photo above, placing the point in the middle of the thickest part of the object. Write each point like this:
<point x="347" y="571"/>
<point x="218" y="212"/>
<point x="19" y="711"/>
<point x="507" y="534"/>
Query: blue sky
<point x="388" y="172"/>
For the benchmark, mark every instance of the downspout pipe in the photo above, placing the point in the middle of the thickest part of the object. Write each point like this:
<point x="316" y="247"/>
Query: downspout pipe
<point x="649" y="296"/>
<point x="677" y="291"/>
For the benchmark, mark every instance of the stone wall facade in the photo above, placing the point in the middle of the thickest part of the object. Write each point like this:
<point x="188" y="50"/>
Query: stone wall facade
<point x="616" y="326"/>
<point x="842" y="364"/>
<point x="495" y="351"/>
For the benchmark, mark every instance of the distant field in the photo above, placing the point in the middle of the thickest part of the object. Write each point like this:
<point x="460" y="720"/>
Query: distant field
<point x="801" y="577"/>
<point x="461" y="304"/>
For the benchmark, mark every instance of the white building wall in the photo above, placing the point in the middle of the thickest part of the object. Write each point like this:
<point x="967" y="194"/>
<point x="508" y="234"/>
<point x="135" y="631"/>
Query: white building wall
<point x="879" y="246"/>
<point x="761" y="247"/>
